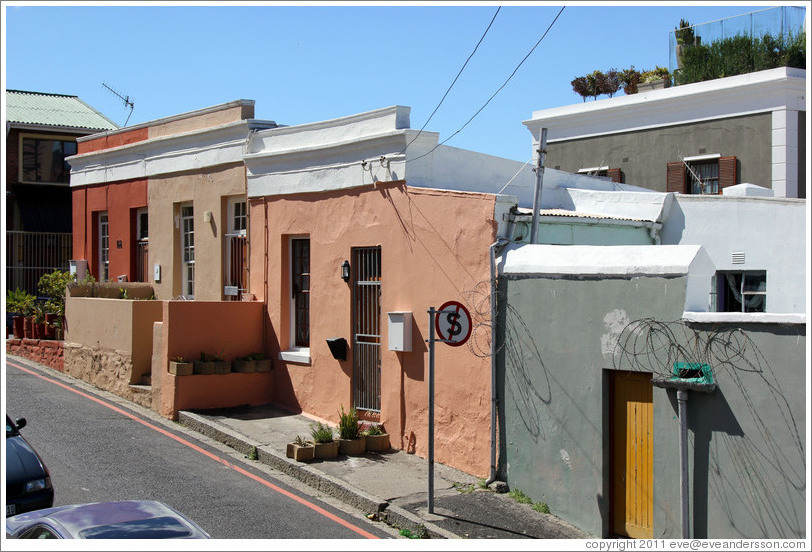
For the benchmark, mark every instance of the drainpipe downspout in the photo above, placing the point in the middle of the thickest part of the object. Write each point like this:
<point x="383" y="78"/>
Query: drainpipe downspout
<point x="654" y="232"/>
<point x="682" y="399"/>
<point x="500" y="242"/>
<point x="539" y="169"/>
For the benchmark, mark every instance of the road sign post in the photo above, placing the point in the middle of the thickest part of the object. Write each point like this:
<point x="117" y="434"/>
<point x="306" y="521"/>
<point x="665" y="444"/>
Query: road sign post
<point x="453" y="324"/>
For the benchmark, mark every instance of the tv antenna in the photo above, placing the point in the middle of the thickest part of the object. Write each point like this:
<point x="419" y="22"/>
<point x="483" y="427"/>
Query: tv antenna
<point x="126" y="99"/>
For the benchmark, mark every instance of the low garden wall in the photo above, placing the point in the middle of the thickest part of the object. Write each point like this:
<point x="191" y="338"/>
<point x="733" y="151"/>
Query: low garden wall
<point x="44" y="351"/>
<point x="221" y="329"/>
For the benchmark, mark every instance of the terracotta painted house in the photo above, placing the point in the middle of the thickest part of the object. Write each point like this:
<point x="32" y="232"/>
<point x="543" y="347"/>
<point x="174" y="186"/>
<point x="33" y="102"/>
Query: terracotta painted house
<point x="352" y="194"/>
<point x="180" y="178"/>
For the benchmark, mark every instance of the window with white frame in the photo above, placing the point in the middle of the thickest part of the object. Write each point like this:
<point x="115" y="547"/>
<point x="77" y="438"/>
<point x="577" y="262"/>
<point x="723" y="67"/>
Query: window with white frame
<point x="299" y="266"/>
<point x="235" y="250"/>
<point x="104" y="247"/>
<point x="741" y="291"/>
<point x="187" y="228"/>
<point x="141" y="245"/>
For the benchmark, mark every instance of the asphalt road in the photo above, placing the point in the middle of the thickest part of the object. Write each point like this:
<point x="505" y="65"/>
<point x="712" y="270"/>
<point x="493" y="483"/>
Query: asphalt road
<point x="99" y="448"/>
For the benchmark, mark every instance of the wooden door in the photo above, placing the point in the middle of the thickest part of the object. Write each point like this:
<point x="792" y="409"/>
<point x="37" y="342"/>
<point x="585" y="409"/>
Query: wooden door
<point x="632" y="454"/>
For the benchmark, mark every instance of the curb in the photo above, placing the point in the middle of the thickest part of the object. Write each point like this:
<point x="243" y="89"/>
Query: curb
<point x="393" y="515"/>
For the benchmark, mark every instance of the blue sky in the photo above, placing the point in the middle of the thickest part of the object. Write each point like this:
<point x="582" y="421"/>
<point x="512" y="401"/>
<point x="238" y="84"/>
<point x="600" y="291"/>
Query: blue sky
<point x="305" y="63"/>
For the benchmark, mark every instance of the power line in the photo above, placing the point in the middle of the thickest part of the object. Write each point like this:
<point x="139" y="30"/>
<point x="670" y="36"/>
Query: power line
<point x="497" y="91"/>
<point x="455" y="79"/>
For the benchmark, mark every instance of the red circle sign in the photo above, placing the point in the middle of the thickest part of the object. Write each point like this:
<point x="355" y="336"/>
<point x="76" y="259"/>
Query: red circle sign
<point x="453" y="323"/>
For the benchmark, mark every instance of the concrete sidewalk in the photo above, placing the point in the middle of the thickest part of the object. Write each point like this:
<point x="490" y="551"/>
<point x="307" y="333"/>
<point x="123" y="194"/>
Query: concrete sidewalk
<point x="391" y="486"/>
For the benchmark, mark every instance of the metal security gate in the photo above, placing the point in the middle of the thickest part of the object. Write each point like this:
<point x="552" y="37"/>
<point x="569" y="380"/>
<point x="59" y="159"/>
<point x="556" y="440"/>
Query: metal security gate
<point x="30" y="255"/>
<point x="366" y="339"/>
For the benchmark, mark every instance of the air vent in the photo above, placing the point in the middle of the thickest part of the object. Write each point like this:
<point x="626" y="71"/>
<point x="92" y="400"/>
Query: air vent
<point x="737" y="257"/>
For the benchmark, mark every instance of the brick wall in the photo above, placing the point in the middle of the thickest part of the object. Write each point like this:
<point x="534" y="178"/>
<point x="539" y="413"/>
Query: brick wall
<point x="47" y="352"/>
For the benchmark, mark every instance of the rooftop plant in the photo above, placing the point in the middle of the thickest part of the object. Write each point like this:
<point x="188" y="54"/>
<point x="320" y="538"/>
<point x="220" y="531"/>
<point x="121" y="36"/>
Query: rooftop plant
<point x="684" y="33"/>
<point x="741" y="54"/>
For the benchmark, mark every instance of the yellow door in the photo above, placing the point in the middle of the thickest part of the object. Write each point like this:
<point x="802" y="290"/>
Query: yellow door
<point x="632" y="420"/>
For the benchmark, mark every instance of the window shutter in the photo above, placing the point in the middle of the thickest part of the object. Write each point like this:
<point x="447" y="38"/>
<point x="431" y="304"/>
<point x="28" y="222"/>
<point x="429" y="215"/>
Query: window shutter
<point x="727" y="172"/>
<point x="675" y="178"/>
<point x="615" y="174"/>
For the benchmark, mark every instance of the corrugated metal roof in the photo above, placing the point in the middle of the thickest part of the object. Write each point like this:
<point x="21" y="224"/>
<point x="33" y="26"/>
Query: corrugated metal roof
<point x="575" y="214"/>
<point x="39" y="108"/>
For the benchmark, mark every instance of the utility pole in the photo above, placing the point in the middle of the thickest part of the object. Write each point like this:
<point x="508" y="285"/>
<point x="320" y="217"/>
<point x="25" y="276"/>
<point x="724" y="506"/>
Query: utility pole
<point x="539" y="169"/>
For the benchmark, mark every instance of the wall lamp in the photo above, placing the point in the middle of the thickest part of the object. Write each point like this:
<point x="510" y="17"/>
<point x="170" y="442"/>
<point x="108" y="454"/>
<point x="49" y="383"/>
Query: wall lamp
<point x="345" y="271"/>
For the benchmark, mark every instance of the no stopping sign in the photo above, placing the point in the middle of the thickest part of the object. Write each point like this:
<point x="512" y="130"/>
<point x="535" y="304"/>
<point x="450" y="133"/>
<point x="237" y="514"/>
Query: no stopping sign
<point x="453" y="323"/>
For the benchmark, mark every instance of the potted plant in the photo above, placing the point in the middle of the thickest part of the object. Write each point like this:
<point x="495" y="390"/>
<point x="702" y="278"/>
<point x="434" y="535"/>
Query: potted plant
<point x="325" y="446"/>
<point x="377" y="438"/>
<point x="261" y="363"/>
<point x="53" y="285"/>
<point x="300" y="450"/>
<point x="180" y="367"/>
<point x="211" y="364"/>
<point x="83" y="287"/>
<point x="350" y="441"/>
<point x="20" y="303"/>
<point x="39" y="321"/>
<point x="685" y="39"/>
<point x="659" y="77"/>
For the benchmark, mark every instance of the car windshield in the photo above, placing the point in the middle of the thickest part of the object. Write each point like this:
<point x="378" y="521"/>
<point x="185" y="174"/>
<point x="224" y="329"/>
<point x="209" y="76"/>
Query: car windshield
<point x="154" y="528"/>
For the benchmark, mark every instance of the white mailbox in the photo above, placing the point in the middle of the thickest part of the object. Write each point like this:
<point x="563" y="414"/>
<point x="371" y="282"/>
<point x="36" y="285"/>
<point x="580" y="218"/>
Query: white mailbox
<point x="400" y="331"/>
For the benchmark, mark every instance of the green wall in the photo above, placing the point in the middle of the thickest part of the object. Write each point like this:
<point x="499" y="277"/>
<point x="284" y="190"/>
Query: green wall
<point x="560" y="337"/>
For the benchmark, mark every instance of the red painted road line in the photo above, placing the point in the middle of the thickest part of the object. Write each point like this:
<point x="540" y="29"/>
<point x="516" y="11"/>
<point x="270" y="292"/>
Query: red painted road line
<point x="214" y="457"/>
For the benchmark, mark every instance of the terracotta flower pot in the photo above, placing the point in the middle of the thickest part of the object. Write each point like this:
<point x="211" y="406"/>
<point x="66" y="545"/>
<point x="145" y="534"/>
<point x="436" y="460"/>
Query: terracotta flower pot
<point x="28" y="327"/>
<point x="17" y="326"/>
<point x="50" y="319"/>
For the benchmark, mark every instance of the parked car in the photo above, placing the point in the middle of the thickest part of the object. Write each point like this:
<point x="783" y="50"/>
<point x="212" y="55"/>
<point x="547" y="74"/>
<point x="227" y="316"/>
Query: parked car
<point x="126" y="519"/>
<point x="28" y="482"/>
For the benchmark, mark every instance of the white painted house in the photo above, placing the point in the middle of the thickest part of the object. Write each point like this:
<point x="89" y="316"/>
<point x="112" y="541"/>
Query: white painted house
<point x="748" y="128"/>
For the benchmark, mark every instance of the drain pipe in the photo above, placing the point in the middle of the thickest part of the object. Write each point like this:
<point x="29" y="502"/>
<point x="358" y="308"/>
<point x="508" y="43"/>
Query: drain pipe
<point x="682" y="400"/>
<point x="500" y="241"/>
<point x="682" y="386"/>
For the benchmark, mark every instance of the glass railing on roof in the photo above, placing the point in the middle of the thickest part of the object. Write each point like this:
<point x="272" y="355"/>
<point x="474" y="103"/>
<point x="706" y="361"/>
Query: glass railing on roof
<point x="753" y="41"/>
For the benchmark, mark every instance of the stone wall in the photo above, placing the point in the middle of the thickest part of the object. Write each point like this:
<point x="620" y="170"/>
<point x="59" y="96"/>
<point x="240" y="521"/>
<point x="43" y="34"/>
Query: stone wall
<point x="47" y="352"/>
<point x="107" y="369"/>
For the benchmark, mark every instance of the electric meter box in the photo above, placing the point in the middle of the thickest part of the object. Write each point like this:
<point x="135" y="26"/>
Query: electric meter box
<point x="400" y="331"/>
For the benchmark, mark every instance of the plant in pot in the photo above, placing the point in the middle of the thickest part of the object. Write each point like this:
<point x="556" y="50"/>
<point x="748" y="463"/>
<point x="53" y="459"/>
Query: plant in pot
<point x="685" y="39"/>
<point x="211" y="364"/>
<point x="350" y="441"/>
<point x="262" y="363"/>
<point x="178" y="366"/>
<point x="300" y="450"/>
<point x="659" y="77"/>
<point x="21" y="303"/>
<point x="54" y="285"/>
<point x="244" y="364"/>
<point x="377" y="438"/>
<point x="325" y="446"/>
<point x="39" y="320"/>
